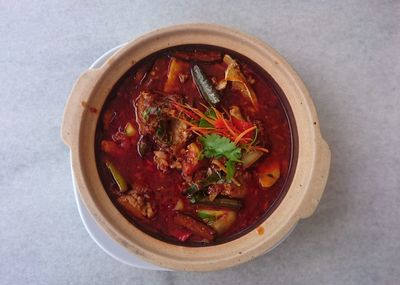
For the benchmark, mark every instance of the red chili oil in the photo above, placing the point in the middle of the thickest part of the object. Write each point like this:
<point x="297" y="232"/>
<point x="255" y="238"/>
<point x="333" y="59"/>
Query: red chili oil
<point x="150" y="74"/>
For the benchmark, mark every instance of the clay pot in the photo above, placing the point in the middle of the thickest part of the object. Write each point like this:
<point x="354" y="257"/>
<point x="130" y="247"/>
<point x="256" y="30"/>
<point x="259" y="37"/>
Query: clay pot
<point x="311" y="167"/>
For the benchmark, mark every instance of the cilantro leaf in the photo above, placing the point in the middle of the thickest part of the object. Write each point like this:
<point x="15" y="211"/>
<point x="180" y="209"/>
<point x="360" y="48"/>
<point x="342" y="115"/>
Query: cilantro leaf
<point x="218" y="146"/>
<point x="230" y="169"/>
<point x="210" y="113"/>
<point x="204" y="123"/>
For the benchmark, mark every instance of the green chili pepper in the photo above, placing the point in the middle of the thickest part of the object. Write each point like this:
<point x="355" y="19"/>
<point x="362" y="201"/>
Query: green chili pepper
<point x="204" y="86"/>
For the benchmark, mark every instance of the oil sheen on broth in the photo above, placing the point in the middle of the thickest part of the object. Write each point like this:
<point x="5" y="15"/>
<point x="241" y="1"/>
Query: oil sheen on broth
<point x="193" y="145"/>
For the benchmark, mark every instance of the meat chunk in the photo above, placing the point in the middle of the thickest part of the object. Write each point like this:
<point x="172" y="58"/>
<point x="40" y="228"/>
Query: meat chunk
<point x="227" y="189"/>
<point x="162" y="160"/>
<point x="234" y="191"/>
<point x="190" y="159"/>
<point x="138" y="204"/>
<point x="179" y="132"/>
<point x="156" y="118"/>
<point x="148" y="112"/>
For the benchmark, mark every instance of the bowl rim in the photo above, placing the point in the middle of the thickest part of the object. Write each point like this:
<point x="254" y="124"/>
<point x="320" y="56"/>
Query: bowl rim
<point x="300" y="201"/>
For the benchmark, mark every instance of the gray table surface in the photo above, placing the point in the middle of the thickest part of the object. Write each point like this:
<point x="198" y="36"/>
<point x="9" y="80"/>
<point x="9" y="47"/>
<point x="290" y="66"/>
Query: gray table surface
<point x="348" y="54"/>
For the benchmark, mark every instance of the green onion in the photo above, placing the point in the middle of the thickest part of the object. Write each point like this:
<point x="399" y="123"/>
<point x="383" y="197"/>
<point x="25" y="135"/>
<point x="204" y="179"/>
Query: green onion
<point x="223" y="202"/>
<point x="122" y="185"/>
<point x="204" y="215"/>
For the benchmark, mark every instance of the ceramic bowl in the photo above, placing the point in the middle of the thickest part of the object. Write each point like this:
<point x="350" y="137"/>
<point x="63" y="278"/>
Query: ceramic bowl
<point x="308" y="180"/>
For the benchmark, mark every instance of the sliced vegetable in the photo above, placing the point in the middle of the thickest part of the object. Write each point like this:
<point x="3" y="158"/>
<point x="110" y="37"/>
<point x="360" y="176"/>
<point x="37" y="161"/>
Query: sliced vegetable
<point x="206" y="216"/>
<point x="219" y="220"/>
<point x="122" y="185"/>
<point x="176" y="68"/>
<point x="238" y="80"/>
<point x="130" y="130"/>
<point x="204" y="86"/>
<point x="250" y="157"/>
<point x="197" y="227"/>
<point x="223" y="202"/>
<point x="194" y="148"/>
<point x="179" y="205"/>
<point x="221" y="85"/>
<point x="269" y="175"/>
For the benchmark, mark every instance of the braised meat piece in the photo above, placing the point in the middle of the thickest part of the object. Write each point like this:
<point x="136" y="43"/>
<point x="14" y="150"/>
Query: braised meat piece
<point x="156" y="118"/>
<point x="149" y="113"/>
<point x="137" y="203"/>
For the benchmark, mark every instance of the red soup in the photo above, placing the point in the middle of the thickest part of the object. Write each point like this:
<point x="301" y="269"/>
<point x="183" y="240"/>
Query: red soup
<point x="194" y="145"/>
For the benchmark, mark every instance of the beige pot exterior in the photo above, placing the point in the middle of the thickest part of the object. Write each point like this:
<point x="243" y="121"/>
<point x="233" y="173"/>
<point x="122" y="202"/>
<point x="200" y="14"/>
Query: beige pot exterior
<point x="302" y="198"/>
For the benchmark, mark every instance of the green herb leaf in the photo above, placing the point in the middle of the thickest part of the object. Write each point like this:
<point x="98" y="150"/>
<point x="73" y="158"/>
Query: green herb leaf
<point x="204" y="124"/>
<point x="210" y="113"/>
<point x="218" y="146"/>
<point x="230" y="169"/>
<point x="206" y="216"/>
